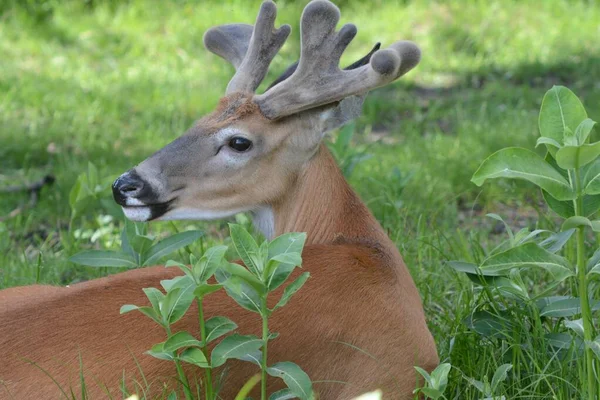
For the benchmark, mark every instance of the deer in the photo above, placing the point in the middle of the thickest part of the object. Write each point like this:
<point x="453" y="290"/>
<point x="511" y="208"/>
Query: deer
<point x="358" y="323"/>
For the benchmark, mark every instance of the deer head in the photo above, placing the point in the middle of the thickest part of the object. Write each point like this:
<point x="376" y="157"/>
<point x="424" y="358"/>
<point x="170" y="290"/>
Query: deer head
<point x="248" y="153"/>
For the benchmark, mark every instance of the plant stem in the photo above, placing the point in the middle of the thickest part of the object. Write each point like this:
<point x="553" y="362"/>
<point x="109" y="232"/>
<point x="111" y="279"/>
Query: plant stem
<point x="586" y="313"/>
<point x="208" y="389"/>
<point x="186" y="385"/>
<point x="265" y="338"/>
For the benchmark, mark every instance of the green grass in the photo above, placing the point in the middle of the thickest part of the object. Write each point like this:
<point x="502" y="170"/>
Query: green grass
<point x="110" y="82"/>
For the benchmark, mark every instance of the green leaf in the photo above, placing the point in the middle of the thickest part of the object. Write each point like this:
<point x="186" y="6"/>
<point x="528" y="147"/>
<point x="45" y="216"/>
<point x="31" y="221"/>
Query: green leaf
<point x="147" y="311"/>
<point x="195" y="356"/>
<point x="158" y="352"/>
<point x="103" y="258"/>
<point x="234" y="346"/>
<point x="575" y="222"/>
<point x="570" y="157"/>
<point x="576" y="326"/>
<point x="505" y="286"/>
<point x="517" y="163"/>
<point x="294" y="259"/>
<point x="562" y="341"/>
<point x="287" y="243"/>
<point x="566" y="308"/>
<point x="140" y="244"/>
<point x="424" y="374"/>
<point x="431" y="393"/>
<point x="179" y="340"/>
<point x="594" y="346"/>
<point x="489" y="325"/>
<point x="293" y="376"/>
<point x="547" y="141"/>
<point x="561" y="110"/>
<point x="155" y="296"/>
<point x="75" y="193"/>
<point x="186" y="270"/>
<point x="217" y="327"/>
<point x="477" y="384"/>
<point x="556" y="241"/>
<point x="172" y="396"/>
<point x="500" y="375"/>
<point x="283" y="394"/>
<point x="468" y="268"/>
<point x="525" y="256"/>
<point x="583" y="130"/>
<point x="246" y="247"/>
<point x="280" y="273"/>
<point x="211" y="260"/>
<point x="591" y="178"/>
<point x="243" y="294"/>
<point x="591" y="204"/>
<point x="179" y="298"/>
<point x="291" y="289"/>
<point x="169" y="245"/>
<point x="439" y="377"/>
<point x="236" y="270"/>
<point x="206" y="289"/>
<point x="284" y="255"/>
<point x="594" y="261"/>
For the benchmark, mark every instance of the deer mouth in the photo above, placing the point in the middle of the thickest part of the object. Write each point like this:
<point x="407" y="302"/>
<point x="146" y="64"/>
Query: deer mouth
<point x="146" y="212"/>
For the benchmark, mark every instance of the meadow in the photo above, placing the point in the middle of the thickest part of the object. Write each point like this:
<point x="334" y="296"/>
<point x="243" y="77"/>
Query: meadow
<point x="110" y="82"/>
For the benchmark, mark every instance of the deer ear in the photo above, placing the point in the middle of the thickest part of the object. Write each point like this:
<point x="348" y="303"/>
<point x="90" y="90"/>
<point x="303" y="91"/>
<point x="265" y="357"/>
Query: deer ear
<point x="342" y="113"/>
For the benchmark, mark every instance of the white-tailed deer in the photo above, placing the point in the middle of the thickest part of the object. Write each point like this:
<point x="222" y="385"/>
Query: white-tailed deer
<point x="356" y="325"/>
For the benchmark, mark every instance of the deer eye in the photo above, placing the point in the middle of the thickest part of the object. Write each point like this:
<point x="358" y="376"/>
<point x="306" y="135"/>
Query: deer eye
<point x="240" y="144"/>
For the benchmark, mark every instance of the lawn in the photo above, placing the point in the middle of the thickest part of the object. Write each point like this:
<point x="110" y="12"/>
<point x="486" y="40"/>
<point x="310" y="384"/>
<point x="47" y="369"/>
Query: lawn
<point x="109" y="82"/>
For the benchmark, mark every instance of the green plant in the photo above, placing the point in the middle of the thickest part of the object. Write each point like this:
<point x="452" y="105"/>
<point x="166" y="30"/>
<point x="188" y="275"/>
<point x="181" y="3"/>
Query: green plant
<point x="435" y="383"/>
<point x="169" y="307"/>
<point x="569" y="177"/>
<point x="489" y="389"/>
<point x="268" y="267"/>
<point x="138" y="249"/>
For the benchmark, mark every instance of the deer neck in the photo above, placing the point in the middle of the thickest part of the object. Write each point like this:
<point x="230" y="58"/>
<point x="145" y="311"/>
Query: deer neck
<point x="323" y="205"/>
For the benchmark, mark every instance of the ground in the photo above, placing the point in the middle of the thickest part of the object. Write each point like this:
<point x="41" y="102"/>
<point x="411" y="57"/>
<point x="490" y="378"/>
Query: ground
<point x="109" y="82"/>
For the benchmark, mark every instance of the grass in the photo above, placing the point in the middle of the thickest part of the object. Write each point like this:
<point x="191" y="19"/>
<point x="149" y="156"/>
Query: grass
<point x="110" y="82"/>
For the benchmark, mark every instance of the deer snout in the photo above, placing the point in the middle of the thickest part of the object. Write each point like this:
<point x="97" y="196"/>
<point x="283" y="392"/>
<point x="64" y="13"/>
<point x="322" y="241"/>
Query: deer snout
<point x="128" y="188"/>
<point x="138" y="198"/>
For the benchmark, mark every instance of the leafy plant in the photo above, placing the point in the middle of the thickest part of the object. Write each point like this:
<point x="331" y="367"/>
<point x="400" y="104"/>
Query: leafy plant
<point x="569" y="177"/>
<point x="268" y="267"/>
<point x="489" y="389"/>
<point x="138" y="249"/>
<point x="168" y="308"/>
<point x="435" y="383"/>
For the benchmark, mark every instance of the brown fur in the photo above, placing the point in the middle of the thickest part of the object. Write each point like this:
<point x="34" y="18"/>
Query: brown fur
<point x="358" y="323"/>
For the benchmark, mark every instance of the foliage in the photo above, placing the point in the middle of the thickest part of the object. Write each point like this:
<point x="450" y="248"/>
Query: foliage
<point x="267" y="267"/>
<point x="566" y="175"/>
<point x="138" y="249"/>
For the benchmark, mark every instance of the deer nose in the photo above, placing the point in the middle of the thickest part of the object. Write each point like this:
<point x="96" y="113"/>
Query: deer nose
<point x="127" y="186"/>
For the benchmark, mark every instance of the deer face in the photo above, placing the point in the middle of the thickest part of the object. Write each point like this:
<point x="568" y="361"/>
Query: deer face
<point x="231" y="161"/>
<point x="247" y="154"/>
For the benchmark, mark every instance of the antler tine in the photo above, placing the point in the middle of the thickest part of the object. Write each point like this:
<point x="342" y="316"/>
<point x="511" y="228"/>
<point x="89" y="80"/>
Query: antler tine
<point x="229" y="42"/>
<point x="261" y="49"/>
<point x="318" y="79"/>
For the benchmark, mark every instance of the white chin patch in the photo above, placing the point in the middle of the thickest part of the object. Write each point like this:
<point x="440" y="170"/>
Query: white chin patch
<point x="197" y="214"/>
<point x="137" y="213"/>
<point x="133" y="202"/>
